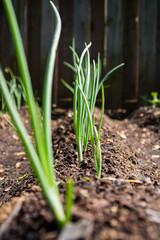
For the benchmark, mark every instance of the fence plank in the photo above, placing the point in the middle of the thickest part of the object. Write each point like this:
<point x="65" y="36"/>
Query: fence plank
<point x="148" y="27"/>
<point x="81" y="23"/>
<point x="131" y="23"/>
<point x="5" y="40"/>
<point x="114" y="52"/>
<point x="157" y="81"/>
<point x="19" y="6"/>
<point x="66" y="12"/>
<point x="7" y="52"/>
<point x="33" y="42"/>
<point x="97" y="28"/>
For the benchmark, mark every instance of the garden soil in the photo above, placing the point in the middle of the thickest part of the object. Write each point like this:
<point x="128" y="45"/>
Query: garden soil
<point x="124" y="204"/>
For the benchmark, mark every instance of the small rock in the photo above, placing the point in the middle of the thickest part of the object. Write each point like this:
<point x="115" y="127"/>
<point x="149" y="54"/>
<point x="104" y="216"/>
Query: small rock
<point x="75" y="231"/>
<point x="153" y="215"/>
<point x="147" y="180"/>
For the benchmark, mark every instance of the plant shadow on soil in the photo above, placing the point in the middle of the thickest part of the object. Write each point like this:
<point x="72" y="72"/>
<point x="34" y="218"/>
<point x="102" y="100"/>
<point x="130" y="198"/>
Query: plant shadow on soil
<point x="123" y="204"/>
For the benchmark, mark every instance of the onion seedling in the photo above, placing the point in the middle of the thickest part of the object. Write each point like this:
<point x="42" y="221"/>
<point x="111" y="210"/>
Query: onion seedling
<point x="40" y="153"/>
<point x="87" y="85"/>
<point x="16" y="90"/>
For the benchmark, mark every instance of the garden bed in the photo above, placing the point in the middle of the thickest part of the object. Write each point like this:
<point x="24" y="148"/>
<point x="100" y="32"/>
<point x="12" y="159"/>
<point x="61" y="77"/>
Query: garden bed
<point x="123" y="204"/>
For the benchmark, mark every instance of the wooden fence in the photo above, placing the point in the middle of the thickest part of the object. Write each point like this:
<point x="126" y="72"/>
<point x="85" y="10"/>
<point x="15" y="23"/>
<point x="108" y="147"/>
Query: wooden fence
<point x="121" y="30"/>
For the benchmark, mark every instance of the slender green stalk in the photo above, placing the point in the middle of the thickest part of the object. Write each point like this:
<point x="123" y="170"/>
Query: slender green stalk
<point x="40" y="155"/>
<point x="48" y="84"/>
<point x="8" y="120"/>
<point x="97" y="134"/>
<point x="90" y="121"/>
<point x="69" y="198"/>
<point x="102" y="111"/>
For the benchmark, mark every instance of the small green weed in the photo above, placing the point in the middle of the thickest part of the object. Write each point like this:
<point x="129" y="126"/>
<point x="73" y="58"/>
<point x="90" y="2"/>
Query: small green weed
<point x="154" y="102"/>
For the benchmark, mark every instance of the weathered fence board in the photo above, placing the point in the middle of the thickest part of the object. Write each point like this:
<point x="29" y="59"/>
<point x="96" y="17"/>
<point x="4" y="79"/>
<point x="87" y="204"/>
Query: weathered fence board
<point x="121" y="30"/>
<point x="148" y="26"/>
<point x="33" y="41"/>
<point x="131" y="19"/>
<point x="97" y="29"/>
<point x="81" y="23"/>
<point x="64" y="95"/>
<point x="115" y="51"/>
<point x="158" y="48"/>
<point x="6" y="47"/>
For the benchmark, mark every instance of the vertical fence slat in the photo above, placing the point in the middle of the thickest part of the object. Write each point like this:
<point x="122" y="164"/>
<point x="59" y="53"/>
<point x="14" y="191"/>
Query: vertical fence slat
<point x="33" y="42"/>
<point x="5" y="39"/>
<point x="81" y="23"/>
<point x="46" y="35"/>
<point x="20" y="13"/>
<point x="7" y="52"/>
<point x="97" y="28"/>
<point x="157" y="82"/>
<point x="64" y="54"/>
<point x="148" y="27"/>
<point x="114" y="52"/>
<point x="130" y="54"/>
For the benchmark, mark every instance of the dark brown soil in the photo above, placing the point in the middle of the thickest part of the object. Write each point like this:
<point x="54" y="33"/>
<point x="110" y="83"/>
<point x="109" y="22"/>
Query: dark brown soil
<point x="123" y="205"/>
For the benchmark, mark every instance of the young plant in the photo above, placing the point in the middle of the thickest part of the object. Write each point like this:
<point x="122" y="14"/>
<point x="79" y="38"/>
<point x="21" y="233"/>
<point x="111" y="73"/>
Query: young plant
<point x="153" y="102"/>
<point x="16" y="90"/>
<point x="87" y="85"/>
<point x="40" y="153"/>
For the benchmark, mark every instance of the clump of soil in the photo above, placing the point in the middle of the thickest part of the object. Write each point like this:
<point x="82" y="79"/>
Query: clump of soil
<point x="147" y="117"/>
<point x="123" y="204"/>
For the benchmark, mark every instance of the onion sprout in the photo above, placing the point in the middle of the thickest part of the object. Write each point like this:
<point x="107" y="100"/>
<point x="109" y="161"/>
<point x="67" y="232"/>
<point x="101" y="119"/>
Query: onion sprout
<point x="40" y="153"/>
<point x="86" y="87"/>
